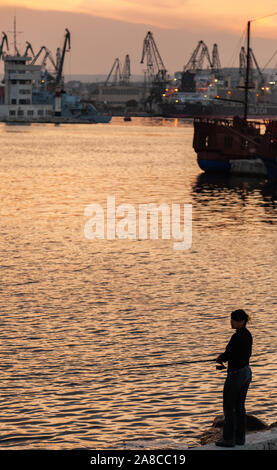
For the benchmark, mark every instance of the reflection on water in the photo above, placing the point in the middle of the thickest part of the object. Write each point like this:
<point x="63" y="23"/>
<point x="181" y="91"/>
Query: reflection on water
<point x="77" y="314"/>
<point x="235" y="183"/>
<point x="236" y="190"/>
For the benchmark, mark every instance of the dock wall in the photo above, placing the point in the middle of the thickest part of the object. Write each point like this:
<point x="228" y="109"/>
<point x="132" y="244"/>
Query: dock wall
<point x="262" y="440"/>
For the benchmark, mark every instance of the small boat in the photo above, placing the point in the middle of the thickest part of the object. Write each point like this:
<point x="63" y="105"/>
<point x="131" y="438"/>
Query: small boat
<point x="237" y="145"/>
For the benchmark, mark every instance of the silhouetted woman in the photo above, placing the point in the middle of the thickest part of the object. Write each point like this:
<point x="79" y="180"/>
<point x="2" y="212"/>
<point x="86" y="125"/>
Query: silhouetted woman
<point x="237" y="354"/>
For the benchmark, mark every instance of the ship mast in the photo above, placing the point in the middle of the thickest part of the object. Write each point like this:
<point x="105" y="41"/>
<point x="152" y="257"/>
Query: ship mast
<point x="15" y="33"/>
<point x="247" y="73"/>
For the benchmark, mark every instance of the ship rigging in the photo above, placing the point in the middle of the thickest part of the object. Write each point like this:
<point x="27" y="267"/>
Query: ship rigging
<point x="237" y="145"/>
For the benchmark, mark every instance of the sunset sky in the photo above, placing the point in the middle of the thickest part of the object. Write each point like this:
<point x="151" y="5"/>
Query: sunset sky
<point x="102" y="30"/>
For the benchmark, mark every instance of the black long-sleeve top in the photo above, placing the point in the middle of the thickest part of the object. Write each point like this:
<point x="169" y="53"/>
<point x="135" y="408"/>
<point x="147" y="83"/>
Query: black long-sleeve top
<point x="239" y="349"/>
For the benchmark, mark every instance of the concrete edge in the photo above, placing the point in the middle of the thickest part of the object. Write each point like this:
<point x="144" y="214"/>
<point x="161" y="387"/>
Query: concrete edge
<point x="262" y="440"/>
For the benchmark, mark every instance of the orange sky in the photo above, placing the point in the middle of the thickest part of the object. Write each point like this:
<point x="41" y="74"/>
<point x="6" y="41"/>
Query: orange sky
<point x="164" y="13"/>
<point x="105" y="29"/>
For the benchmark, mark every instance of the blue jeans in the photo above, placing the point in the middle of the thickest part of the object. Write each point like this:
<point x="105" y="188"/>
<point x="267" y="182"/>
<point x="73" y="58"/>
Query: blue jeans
<point x="234" y="395"/>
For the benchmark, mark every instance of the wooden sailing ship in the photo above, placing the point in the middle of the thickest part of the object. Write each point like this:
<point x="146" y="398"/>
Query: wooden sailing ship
<point x="237" y="145"/>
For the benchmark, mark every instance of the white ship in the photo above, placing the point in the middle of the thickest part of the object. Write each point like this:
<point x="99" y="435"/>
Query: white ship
<point x="30" y="94"/>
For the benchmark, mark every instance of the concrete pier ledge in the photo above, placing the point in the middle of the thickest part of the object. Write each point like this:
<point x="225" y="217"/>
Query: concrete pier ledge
<point x="261" y="440"/>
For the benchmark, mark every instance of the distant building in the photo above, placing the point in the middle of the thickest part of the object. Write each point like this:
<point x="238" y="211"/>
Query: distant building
<point x="119" y="95"/>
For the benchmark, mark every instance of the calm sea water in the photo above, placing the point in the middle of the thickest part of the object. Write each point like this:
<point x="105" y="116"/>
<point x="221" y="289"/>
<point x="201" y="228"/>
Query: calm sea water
<point x="77" y="314"/>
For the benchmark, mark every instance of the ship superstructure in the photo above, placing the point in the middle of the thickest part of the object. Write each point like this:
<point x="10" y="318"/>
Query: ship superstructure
<point x="20" y="79"/>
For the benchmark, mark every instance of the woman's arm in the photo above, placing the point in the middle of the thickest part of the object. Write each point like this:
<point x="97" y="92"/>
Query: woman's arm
<point x="224" y="357"/>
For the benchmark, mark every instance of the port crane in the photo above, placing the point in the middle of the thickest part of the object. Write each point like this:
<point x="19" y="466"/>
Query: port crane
<point x="61" y="61"/>
<point x="126" y="71"/>
<point x="196" y="61"/>
<point x="45" y="72"/>
<point x="28" y="48"/>
<point x="117" y="71"/>
<point x="260" y="74"/>
<point x="4" y="40"/>
<point x="119" y="75"/>
<point x="216" y="65"/>
<point x="242" y="62"/>
<point x="48" y="55"/>
<point x="242" y="66"/>
<point x="156" y="70"/>
<point x="58" y="85"/>
<point x="37" y="55"/>
<point x="156" y="74"/>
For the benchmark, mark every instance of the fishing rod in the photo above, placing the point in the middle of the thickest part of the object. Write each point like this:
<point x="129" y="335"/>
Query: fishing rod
<point x="150" y="366"/>
<point x="219" y="366"/>
<point x="168" y="364"/>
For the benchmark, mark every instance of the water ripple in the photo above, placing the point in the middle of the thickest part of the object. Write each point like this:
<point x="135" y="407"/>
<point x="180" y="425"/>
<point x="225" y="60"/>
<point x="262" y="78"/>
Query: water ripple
<point x="82" y="322"/>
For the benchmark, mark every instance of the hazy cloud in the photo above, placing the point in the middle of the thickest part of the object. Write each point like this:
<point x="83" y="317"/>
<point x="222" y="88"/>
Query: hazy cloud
<point x="169" y="14"/>
<point x="100" y="34"/>
<point x="167" y="4"/>
<point x="69" y="5"/>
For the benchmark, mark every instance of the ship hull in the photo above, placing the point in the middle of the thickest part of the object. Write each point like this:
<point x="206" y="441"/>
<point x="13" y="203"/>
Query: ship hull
<point x="192" y="110"/>
<point x="271" y="167"/>
<point x="229" y="146"/>
<point x="94" y="119"/>
<point x="214" y="164"/>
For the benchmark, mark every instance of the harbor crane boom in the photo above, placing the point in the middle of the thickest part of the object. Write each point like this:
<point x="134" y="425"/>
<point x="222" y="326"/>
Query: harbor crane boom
<point x="262" y="78"/>
<point x="191" y="64"/>
<point x="242" y="65"/>
<point x="4" y="40"/>
<point x="61" y="62"/>
<point x="126" y="71"/>
<point x="216" y="65"/>
<point x="58" y="84"/>
<point x="196" y="60"/>
<point x="119" y="75"/>
<point x="117" y="70"/>
<point x="37" y="55"/>
<point x="155" y="66"/>
<point x="28" y="47"/>
<point x="48" y="55"/>
<point x="242" y="62"/>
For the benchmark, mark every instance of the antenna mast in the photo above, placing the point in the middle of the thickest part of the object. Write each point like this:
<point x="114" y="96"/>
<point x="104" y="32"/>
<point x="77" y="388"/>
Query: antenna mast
<point x="15" y="32"/>
<point x="247" y="72"/>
